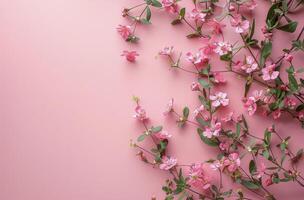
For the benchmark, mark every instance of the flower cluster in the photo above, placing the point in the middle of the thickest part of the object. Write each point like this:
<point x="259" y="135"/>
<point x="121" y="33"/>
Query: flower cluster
<point x="281" y="93"/>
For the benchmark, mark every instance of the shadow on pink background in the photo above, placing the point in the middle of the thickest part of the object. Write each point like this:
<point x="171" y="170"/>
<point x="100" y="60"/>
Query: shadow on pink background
<point x="66" y="109"/>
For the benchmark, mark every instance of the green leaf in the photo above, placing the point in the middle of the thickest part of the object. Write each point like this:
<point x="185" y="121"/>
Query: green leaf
<point x="145" y="21"/>
<point x="141" y="137"/>
<point x="156" y="129"/>
<point x="194" y="35"/>
<point x="265" y="52"/>
<point x="203" y="83"/>
<point x="293" y="84"/>
<point x="208" y="141"/>
<point x="250" y="184"/>
<point x="148" y="14"/>
<point x="290" y="27"/>
<point x="156" y="3"/>
<point x="186" y="112"/>
<point x="238" y="130"/>
<point x="176" y="21"/>
<point x="252" y="167"/>
<point x="182" y="13"/>
<point x="267" y="137"/>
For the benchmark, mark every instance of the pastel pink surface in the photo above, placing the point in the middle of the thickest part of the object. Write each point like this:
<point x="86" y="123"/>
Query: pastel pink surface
<point x="66" y="109"/>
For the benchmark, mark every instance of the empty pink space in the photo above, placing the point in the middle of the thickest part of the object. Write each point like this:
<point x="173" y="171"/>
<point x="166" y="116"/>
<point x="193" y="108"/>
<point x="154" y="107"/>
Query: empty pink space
<point x="66" y="101"/>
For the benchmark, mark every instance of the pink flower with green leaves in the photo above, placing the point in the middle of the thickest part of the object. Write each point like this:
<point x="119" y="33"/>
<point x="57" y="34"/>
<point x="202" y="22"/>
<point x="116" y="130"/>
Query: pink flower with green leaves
<point x="214" y="130"/>
<point x="125" y="31"/>
<point x="167" y="163"/>
<point x="162" y="135"/>
<point x="140" y="114"/>
<point x="198" y="177"/>
<point x="269" y="72"/>
<point x="240" y="25"/>
<point x="218" y="99"/>
<point x="250" y="65"/>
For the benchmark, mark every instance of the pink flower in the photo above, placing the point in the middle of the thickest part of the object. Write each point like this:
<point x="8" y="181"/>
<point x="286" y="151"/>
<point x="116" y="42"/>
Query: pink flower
<point x="197" y="59"/>
<point x="170" y="6"/>
<point x="288" y="57"/>
<point x="218" y="99"/>
<point x="261" y="171"/>
<point x="223" y="48"/>
<point x="224" y="146"/>
<point x="251" y="105"/>
<point x="276" y="114"/>
<point x="162" y="135"/>
<point x="195" y="86"/>
<point x="169" y="107"/>
<point x="267" y="34"/>
<point x="168" y="163"/>
<point x="130" y="55"/>
<point x="197" y="16"/>
<point x="250" y="65"/>
<point x="167" y="51"/>
<point x="218" y="77"/>
<point x="301" y="115"/>
<point x="216" y="26"/>
<point x="140" y="114"/>
<point x="216" y="165"/>
<point x="290" y="103"/>
<point x="197" y="111"/>
<point x="198" y="177"/>
<point x="124" y="31"/>
<point x="228" y="118"/>
<point x="269" y="72"/>
<point x="209" y="45"/>
<point x="232" y="162"/>
<point x="241" y="26"/>
<point x="213" y="130"/>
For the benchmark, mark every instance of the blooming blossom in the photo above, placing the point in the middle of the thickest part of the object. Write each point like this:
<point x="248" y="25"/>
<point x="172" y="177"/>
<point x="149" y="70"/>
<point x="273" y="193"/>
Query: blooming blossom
<point x="290" y="103"/>
<point x="228" y="118"/>
<point x="130" y="55"/>
<point x="162" y="135"/>
<point x="288" y="57"/>
<point x="197" y="59"/>
<point x="213" y="130"/>
<point x="218" y="99"/>
<point x="197" y="16"/>
<point x="269" y="72"/>
<point x="198" y="110"/>
<point x="241" y="26"/>
<point x="251" y="105"/>
<point x="261" y="170"/>
<point x="216" y="26"/>
<point x="232" y="162"/>
<point x="168" y="163"/>
<point x="167" y="51"/>
<point x="216" y="165"/>
<point x="209" y="45"/>
<point x="218" y="77"/>
<point x="198" y="177"/>
<point x="140" y="114"/>
<point x="223" y="48"/>
<point x="250" y="65"/>
<point x="224" y="146"/>
<point x="124" y="31"/>
<point x="195" y="86"/>
<point x="276" y="114"/>
<point x="170" y="6"/>
<point x="169" y="107"/>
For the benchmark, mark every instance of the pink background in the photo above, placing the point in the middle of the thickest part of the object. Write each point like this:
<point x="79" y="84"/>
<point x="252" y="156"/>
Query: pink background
<point x="65" y="105"/>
